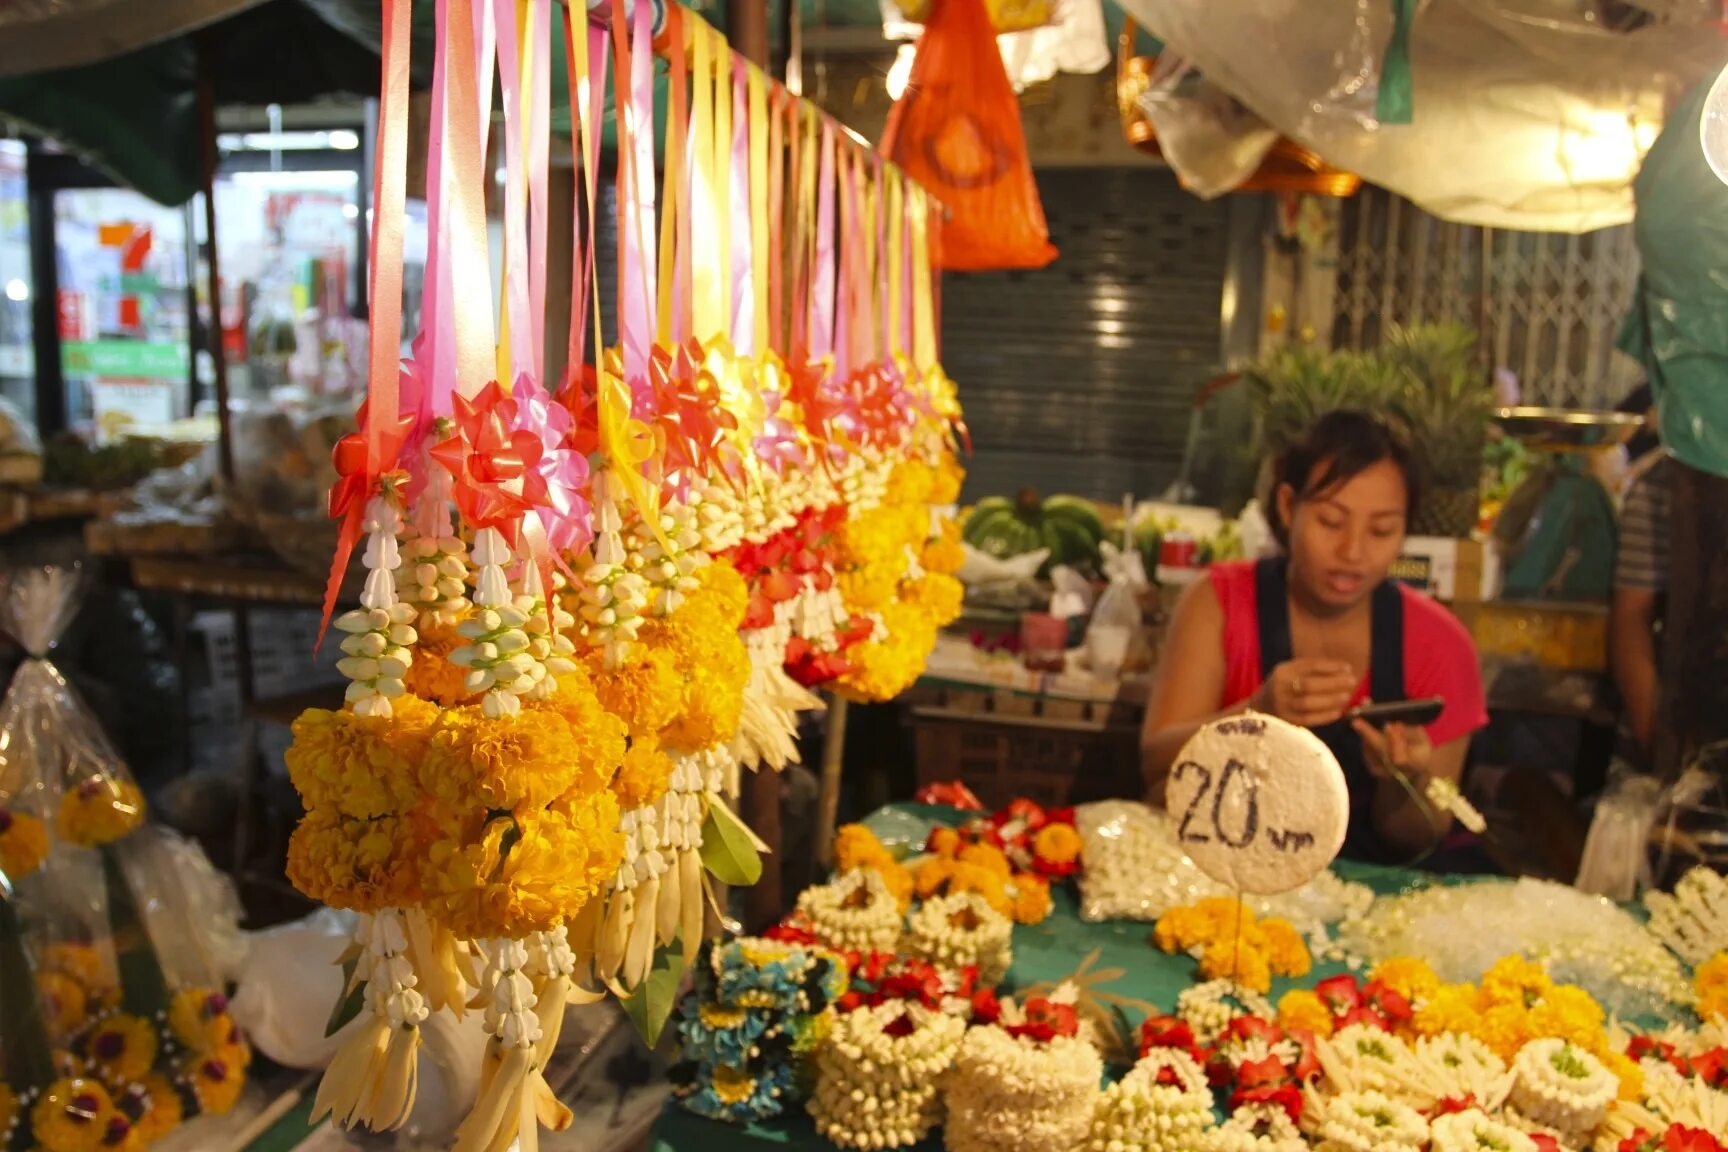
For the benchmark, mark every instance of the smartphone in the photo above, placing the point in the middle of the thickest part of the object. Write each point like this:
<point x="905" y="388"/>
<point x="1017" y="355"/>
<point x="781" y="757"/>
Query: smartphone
<point x="1417" y="712"/>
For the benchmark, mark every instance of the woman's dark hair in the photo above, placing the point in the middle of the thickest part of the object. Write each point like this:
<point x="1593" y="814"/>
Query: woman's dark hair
<point x="1341" y="445"/>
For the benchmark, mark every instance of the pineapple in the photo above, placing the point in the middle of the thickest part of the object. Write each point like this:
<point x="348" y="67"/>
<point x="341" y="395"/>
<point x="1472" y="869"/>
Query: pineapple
<point x="1445" y="402"/>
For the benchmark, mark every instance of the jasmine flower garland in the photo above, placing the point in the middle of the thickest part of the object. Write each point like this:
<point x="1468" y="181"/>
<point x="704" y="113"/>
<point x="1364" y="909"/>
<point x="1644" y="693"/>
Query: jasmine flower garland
<point x="1161" y="1105"/>
<point x="1474" y="1131"/>
<point x="1457" y="1067"/>
<point x="1018" y="1092"/>
<point x="1362" y="1058"/>
<point x="1363" y="1122"/>
<point x="856" y="913"/>
<point x="1208" y="1008"/>
<point x="1258" y="1128"/>
<point x="879" y="1076"/>
<point x="1561" y="1086"/>
<point x="960" y="931"/>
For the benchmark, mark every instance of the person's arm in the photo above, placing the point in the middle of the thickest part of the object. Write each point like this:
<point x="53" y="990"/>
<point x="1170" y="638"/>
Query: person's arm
<point x="1405" y="821"/>
<point x="1632" y="657"/>
<point x="1187" y="686"/>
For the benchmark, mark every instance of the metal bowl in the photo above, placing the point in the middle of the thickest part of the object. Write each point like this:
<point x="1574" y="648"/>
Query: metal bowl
<point x="1567" y="428"/>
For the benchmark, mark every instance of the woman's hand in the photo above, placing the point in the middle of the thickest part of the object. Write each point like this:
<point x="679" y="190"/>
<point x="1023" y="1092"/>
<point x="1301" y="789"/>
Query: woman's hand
<point x="1307" y="691"/>
<point x="1403" y="746"/>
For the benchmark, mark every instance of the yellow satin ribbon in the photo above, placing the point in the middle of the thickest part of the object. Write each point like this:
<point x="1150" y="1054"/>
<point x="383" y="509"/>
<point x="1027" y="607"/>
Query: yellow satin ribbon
<point x="707" y="285"/>
<point x="896" y="257"/>
<point x="923" y="312"/>
<point x="758" y="128"/>
<point x="673" y="208"/>
<point x="628" y="444"/>
<point x="470" y="280"/>
<point x="722" y="176"/>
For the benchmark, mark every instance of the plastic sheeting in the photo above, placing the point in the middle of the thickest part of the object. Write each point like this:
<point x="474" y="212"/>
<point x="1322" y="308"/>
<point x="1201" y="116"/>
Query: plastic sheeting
<point x="71" y="33"/>
<point x="1678" y="325"/>
<point x="1527" y="115"/>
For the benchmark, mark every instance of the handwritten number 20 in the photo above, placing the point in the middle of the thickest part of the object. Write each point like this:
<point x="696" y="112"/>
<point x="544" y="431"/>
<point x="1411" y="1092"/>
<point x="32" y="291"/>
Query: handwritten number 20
<point x="1233" y="772"/>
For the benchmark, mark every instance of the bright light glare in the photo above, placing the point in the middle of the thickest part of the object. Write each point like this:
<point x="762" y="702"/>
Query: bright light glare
<point x="901" y="72"/>
<point x="17" y="290"/>
<point x="1713" y="127"/>
<point x="344" y="140"/>
<point x="350" y="211"/>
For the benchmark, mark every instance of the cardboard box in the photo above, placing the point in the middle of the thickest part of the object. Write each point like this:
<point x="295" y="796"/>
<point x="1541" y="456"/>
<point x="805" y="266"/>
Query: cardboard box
<point x="1450" y="569"/>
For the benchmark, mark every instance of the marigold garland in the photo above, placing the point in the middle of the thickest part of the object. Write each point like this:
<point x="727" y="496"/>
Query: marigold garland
<point x="1710" y="984"/>
<point x="99" y="810"/>
<point x="23" y="842"/>
<point x="1233" y="943"/>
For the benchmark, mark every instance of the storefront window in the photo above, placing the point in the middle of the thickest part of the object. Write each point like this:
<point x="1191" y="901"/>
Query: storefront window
<point x="17" y="363"/>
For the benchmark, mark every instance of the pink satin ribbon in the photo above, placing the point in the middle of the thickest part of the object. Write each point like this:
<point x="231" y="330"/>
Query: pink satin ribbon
<point x="743" y="276"/>
<point x="822" y="292"/>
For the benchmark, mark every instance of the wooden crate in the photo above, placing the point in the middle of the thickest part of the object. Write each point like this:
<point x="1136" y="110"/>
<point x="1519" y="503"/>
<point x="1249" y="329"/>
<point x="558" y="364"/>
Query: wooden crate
<point x="1002" y="755"/>
<point x="1562" y="637"/>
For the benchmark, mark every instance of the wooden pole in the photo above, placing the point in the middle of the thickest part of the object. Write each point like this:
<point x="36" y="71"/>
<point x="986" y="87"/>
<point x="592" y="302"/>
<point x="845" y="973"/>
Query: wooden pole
<point x="828" y="794"/>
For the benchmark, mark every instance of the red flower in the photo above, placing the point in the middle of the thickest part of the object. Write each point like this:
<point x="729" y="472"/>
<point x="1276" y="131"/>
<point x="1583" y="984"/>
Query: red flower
<point x="791" y="931"/>
<point x="953" y="793"/>
<point x="986" y="1009"/>
<point x="1363" y="1015"/>
<point x="850" y="1001"/>
<point x="494" y="469"/>
<point x="1307" y="1065"/>
<point x="900" y="1026"/>
<point x="1059" y="816"/>
<point x="1453" y="1104"/>
<point x="1046" y="1020"/>
<point x="1710" y="1067"/>
<point x="1166" y="1032"/>
<point x="1545" y="1143"/>
<point x="1253" y="1028"/>
<point x="1025" y="811"/>
<point x="1388" y="1002"/>
<point x="1285" y="1096"/>
<point x="1267" y="1071"/>
<point x="1341" y="993"/>
<point x="1646" y="1047"/>
<point x="1682" y="1139"/>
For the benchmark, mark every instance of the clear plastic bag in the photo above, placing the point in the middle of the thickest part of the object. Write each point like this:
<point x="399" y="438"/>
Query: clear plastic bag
<point x="1615" y="863"/>
<point x="1116" y="634"/>
<point x="112" y="1017"/>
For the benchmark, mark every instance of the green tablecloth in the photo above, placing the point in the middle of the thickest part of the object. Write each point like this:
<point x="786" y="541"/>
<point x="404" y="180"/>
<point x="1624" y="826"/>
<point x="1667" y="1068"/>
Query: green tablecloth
<point x="1043" y="953"/>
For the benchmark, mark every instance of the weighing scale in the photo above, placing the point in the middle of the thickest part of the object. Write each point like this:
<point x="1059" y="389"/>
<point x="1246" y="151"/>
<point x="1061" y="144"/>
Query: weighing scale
<point x="1557" y="531"/>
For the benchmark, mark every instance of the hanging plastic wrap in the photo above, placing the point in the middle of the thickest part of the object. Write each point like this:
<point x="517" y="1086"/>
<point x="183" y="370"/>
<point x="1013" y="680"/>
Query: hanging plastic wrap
<point x="112" y="1020"/>
<point x="1541" y="114"/>
<point x="957" y="131"/>
<point x="1677" y="327"/>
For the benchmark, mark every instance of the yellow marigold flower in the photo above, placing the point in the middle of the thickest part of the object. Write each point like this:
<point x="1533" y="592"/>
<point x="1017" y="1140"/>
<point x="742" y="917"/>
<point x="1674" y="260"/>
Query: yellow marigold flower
<point x="722" y="584"/>
<point x="643" y="777"/>
<point x="945" y="842"/>
<point x="83" y="962"/>
<point x="871" y="587"/>
<point x="950" y="475"/>
<point x="122" y="1048"/>
<point x="644" y="693"/>
<point x="1057" y="843"/>
<point x="432" y="676"/>
<point x="152" y="1105"/>
<point x="1568" y="1012"/>
<point x="23" y="845"/>
<point x="931" y="877"/>
<point x="216" y="1078"/>
<point x="1409" y="976"/>
<point x="1626" y="1069"/>
<point x="99" y="810"/>
<point x="478" y="763"/>
<point x="939" y="596"/>
<point x="942" y="555"/>
<point x="966" y="877"/>
<point x="988" y="857"/>
<point x="1710" y="982"/>
<point x="72" y="1115"/>
<point x="899" y="882"/>
<point x="1285" y="949"/>
<point x="601" y="740"/>
<point x="64" y="1004"/>
<point x="712" y="700"/>
<point x="1450" y="1008"/>
<point x="1225" y="959"/>
<point x="361" y="766"/>
<point x="1515" y="979"/>
<point x="1504" y="1027"/>
<point x="855" y="846"/>
<point x="887" y="665"/>
<point x="199" y="1019"/>
<point x="1031" y="899"/>
<point x="1302" y="1008"/>
<point x="510" y="876"/>
<point x="910" y="483"/>
<point x="361" y="865"/>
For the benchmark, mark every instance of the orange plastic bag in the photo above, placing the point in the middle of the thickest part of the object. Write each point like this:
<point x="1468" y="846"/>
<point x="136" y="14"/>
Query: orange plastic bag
<point x="957" y="131"/>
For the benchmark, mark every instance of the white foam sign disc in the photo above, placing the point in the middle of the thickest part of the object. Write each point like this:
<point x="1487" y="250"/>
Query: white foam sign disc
<point x="1258" y="803"/>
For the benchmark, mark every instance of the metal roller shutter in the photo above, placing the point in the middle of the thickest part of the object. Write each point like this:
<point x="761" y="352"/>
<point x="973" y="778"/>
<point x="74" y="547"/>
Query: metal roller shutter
<point x="1078" y="377"/>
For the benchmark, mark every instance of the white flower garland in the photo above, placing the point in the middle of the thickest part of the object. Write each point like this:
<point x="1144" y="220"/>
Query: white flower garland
<point x="1138" y="1114"/>
<point x="856" y="913"/>
<point x="1693" y="922"/>
<point x="1475" y="1131"/>
<point x="1453" y="1066"/>
<point x="961" y="930"/>
<point x="875" y="1090"/>
<point x="1363" y="1122"/>
<point x="1362" y="1058"/>
<point x="1009" y="1094"/>
<point x="1258" y="1128"/>
<point x="1444" y="795"/>
<point x="1562" y="1086"/>
<point x="1208" y="1008"/>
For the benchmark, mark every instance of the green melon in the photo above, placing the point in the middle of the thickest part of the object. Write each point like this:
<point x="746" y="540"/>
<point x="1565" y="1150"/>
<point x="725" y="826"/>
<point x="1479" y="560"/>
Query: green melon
<point x="1067" y="525"/>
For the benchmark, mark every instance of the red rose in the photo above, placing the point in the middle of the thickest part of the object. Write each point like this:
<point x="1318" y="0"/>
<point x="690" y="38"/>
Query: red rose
<point x="1362" y="1014"/>
<point x="1388" y="1002"/>
<point x="1253" y="1028"/>
<point x="1341" y="993"/>
<point x="1711" y="1067"/>
<point x="1682" y="1139"/>
<point x="1166" y="1032"/>
<point x="1265" y="1072"/>
<point x="986" y="1009"/>
<point x="1307" y="1065"/>
<point x="1284" y="1095"/>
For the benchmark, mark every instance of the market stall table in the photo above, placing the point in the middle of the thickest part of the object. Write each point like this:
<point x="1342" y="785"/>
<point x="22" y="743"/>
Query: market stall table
<point x="1044" y="953"/>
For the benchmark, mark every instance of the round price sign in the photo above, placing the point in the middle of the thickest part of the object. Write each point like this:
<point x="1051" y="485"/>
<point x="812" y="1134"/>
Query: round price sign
<point x="1258" y="803"/>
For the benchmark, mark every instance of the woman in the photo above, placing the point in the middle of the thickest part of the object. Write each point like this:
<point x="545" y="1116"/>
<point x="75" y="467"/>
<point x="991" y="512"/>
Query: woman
<point x="1310" y="635"/>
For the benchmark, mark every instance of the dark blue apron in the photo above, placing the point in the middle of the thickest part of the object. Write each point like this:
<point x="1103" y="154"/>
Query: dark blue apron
<point x="1385" y="682"/>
